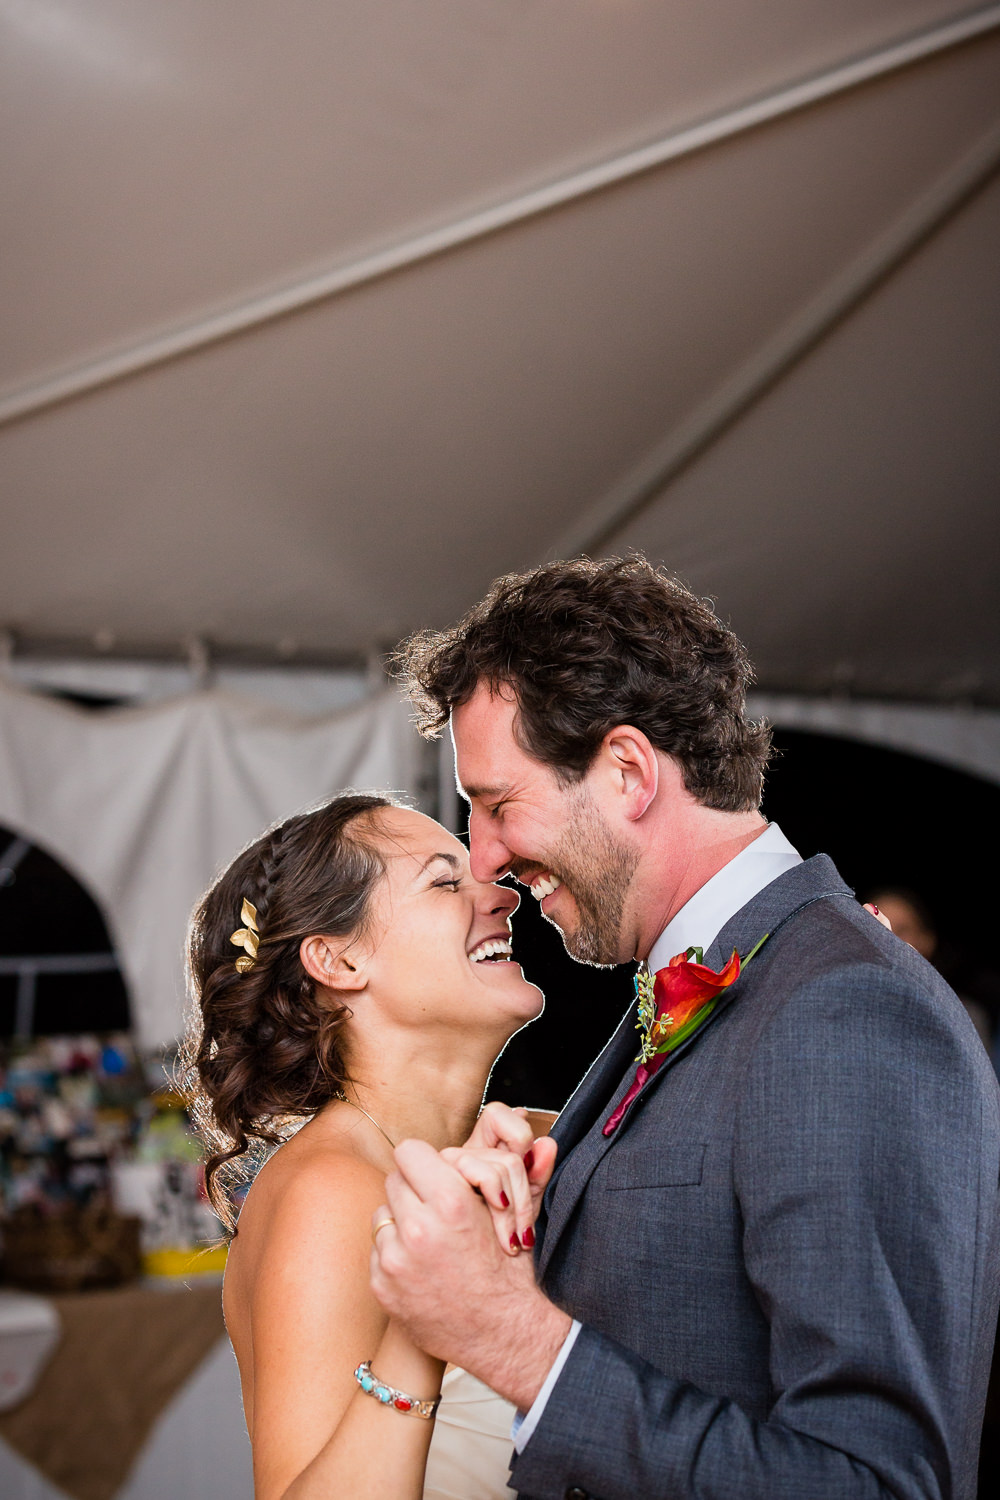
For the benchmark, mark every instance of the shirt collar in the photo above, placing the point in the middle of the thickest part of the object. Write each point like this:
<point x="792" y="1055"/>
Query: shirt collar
<point x="700" y="920"/>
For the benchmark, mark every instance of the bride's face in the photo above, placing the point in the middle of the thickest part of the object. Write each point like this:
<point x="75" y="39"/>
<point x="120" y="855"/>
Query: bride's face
<point x="433" y="927"/>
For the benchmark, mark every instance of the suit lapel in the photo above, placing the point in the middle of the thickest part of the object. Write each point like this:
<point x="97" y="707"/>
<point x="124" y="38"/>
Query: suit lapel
<point x="584" y="1157"/>
<point x="607" y="1082"/>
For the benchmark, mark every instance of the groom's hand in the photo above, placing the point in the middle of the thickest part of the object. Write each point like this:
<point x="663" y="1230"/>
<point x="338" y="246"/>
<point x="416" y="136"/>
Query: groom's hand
<point x="438" y="1269"/>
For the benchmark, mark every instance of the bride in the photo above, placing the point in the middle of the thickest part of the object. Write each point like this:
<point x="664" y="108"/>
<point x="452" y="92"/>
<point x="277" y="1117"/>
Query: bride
<point x="349" y="971"/>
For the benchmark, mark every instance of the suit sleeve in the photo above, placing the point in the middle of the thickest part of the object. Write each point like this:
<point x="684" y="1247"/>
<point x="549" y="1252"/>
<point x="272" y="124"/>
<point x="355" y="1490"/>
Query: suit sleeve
<point x="866" y="1159"/>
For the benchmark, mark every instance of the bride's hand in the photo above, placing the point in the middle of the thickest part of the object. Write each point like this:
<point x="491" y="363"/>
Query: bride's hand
<point x="511" y="1185"/>
<point x="510" y="1166"/>
<point x="879" y="916"/>
<point x="525" y="1133"/>
<point x="499" y="1125"/>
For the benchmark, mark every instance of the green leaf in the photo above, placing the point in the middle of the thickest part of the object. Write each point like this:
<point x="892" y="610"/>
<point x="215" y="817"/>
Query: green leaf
<point x="755" y="949"/>
<point x="690" y="1025"/>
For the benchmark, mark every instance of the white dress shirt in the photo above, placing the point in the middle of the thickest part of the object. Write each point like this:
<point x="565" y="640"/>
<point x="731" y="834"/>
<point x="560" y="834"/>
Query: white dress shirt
<point x="696" y="925"/>
<point x="700" y="920"/>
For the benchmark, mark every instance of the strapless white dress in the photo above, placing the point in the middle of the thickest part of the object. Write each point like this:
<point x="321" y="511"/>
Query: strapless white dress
<point x="470" y="1450"/>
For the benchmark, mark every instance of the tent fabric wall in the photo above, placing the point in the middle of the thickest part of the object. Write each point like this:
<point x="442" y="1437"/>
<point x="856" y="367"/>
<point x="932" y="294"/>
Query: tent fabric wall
<point x="966" y="738"/>
<point x="464" y="285"/>
<point x="146" y="805"/>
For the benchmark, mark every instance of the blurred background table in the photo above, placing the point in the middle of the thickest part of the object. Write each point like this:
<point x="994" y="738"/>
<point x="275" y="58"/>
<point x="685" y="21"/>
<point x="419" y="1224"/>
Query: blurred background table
<point x="140" y="1400"/>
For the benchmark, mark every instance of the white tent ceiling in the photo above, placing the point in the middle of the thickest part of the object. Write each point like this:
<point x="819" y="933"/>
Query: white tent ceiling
<point x="321" y="315"/>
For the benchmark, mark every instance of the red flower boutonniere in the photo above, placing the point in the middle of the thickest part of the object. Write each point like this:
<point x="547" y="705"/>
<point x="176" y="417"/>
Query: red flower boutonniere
<point x="673" y="1003"/>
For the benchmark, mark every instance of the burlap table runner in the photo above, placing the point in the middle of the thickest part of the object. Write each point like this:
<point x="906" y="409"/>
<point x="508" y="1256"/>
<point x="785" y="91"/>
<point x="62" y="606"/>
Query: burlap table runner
<point x="122" y="1357"/>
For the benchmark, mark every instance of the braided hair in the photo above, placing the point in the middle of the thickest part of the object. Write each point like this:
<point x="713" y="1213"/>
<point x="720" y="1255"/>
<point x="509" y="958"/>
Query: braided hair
<point x="263" y="1051"/>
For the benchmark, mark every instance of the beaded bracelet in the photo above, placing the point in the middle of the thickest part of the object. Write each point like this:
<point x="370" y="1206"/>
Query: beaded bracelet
<point x="389" y="1396"/>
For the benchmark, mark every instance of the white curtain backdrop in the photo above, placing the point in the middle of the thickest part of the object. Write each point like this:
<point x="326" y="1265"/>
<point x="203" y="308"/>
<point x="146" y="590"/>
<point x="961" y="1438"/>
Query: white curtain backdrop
<point x="146" y="805"/>
<point x="966" y="738"/>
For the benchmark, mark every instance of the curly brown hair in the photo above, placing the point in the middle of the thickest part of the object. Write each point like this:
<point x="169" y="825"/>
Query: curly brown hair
<point x="263" y="1049"/>
<point x="587" y="645"/>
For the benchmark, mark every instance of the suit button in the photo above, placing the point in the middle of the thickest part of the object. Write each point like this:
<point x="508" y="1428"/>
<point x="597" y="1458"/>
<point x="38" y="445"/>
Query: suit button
<point x="575" y="1493"/>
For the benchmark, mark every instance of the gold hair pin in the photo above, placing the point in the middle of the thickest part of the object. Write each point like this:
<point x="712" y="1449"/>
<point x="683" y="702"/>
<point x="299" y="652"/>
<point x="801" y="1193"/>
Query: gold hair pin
<point x="247" y="937"/>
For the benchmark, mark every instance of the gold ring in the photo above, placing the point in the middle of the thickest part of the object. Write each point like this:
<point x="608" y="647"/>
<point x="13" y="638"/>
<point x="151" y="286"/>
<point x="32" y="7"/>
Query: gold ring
<point x="381" y="1225"/>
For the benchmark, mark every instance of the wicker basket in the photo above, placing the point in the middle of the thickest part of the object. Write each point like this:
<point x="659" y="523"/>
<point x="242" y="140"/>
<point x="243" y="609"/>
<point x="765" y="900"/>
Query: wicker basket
<point x="71" y="1250"/>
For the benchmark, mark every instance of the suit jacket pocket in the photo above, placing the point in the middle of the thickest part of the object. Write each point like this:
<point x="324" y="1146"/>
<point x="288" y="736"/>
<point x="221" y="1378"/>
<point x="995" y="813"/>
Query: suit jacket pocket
<point x="678" y="1164"/>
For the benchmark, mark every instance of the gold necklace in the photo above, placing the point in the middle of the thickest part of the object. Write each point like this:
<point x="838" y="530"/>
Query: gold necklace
<point x="354" y="1105"/>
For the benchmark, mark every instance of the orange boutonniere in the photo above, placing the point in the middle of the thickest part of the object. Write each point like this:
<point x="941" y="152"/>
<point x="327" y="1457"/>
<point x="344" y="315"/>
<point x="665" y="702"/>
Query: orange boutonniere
<point x="673" y="1003"/>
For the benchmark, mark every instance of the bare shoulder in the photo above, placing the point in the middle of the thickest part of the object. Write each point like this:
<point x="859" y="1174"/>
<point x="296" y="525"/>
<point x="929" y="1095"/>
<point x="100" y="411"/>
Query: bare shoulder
<point x="297" y="1297"/>
<point x="310" y="1194"/>
<point x="305" y="1225"/>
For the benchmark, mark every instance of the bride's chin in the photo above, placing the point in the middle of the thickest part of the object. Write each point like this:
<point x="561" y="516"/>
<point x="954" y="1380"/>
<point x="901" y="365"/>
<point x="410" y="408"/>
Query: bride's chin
<point x="533" y="1002"/>
<point x="514" y="1005"/>
<point x="517" y="1014"/>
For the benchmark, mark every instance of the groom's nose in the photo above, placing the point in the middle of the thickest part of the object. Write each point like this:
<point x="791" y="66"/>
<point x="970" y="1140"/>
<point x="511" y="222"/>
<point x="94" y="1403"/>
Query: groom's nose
<point x="489" y="857"/>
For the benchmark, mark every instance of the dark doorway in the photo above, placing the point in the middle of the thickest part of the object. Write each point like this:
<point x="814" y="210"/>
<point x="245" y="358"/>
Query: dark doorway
<point x="58" y="972"/>
<point x="887" y="818"/>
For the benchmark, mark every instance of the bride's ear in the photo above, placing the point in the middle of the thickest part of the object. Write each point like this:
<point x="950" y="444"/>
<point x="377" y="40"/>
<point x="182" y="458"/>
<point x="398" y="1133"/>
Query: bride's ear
<point x="334" y="962"/>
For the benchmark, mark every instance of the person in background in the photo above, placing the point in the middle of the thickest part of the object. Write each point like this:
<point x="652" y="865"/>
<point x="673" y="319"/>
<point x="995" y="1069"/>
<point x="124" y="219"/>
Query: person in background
<point x="911" y="920"/>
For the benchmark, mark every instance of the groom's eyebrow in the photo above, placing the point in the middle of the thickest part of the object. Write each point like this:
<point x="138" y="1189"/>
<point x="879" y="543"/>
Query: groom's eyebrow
<point x="484" y="793"/>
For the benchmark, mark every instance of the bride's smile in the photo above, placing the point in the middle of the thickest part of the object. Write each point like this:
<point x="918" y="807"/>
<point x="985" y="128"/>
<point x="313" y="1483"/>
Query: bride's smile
<point x="439" y="953"/>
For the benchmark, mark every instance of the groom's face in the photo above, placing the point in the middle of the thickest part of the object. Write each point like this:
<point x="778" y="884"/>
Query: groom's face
<point x="554" y="838"/>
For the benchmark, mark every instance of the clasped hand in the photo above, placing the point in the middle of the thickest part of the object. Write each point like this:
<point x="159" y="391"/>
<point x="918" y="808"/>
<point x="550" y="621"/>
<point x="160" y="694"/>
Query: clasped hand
<point x="505" y="1165"/>
<point x="447" y="1262"/>
<point x="509" y="1168"/>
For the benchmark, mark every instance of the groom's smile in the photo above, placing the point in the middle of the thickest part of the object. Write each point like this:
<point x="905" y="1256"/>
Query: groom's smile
<point x="544" y="885"/>
<point x="551" y="835"/>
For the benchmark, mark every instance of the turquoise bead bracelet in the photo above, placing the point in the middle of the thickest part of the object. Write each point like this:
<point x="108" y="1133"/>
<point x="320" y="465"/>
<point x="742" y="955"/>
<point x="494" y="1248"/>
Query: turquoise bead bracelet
<point x="389" y="1396"/>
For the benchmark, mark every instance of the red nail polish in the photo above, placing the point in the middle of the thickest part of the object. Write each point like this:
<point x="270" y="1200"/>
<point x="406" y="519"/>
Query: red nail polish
<point x="874" y="909"/>
<point x="529" y="1160"/>
<point x="514" y="1245"/>
<point x="504" y="1200"/>
<point x="528" y="1238"/>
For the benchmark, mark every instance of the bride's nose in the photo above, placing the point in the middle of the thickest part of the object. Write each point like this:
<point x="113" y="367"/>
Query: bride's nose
<point x="500" y="900"/>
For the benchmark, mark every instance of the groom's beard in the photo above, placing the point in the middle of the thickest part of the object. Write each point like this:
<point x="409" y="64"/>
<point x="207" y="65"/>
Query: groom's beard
<point x="598" y="870"/>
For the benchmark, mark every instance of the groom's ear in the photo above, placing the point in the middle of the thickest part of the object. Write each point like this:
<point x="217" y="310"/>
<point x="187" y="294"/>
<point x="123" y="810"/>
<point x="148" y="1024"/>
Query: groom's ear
<point x="634" y="768"/>
<point x="334" y="962"/>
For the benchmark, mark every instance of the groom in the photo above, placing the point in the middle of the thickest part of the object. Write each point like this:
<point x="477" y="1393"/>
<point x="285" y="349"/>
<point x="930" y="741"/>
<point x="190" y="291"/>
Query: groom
<point x="774" y="1274"/>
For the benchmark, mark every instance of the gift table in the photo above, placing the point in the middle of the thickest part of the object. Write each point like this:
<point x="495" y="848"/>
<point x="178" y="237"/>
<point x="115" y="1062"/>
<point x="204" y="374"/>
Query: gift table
<point x="138" y="1400"/>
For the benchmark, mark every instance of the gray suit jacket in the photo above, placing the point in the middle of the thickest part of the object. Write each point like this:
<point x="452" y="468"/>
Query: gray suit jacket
<point x="787" y="1259"/>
